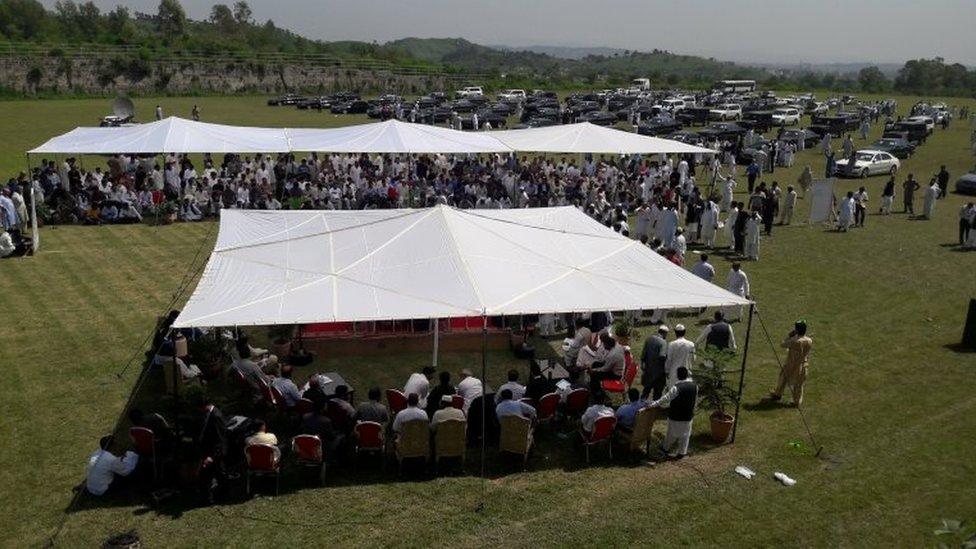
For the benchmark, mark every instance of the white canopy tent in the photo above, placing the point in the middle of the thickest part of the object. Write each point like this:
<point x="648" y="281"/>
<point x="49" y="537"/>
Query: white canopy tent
<point x="170" y="135"/>
<point x="294" y="267"/>
<point x="393" y="137"/>
<point x="585" y="137"/>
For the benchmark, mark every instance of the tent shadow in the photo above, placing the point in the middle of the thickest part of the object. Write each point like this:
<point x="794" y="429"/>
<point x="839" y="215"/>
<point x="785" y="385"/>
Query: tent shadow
<point x="766" y="405"/>
<point x="959" y="348"/>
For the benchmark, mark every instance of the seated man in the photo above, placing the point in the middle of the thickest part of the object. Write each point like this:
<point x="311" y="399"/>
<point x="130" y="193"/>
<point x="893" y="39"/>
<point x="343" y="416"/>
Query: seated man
<point x="103" y="466"/>
<point x="315" y="393"/>
<point x="539" y="385"/>
<point x="250" y="370"/>
<point x="287" y="388"/>
<point x="340" y="411"/>
<point x="372" y="409"/>
<point x="509" y="407"/>
<point x="573" y="383"/>
<point x="680" y="401"/>
<point x="446" y="412"/>
<point x="410" y="413"/>
<point x="596" y="411"/>
<point x="316" y="423"/>
<point x="613" y="360"/>
<point x="419" y="383"/>
<point x="469" y="388"/>
<point x="211" y="442"/>
<point x="516" y="388"/>
<point x="442" y="388"/>
<point x="163" y="433"/>
<point x="190" y="372"/>
<point x="262" y="436"/>
<point x="627" y="413"/>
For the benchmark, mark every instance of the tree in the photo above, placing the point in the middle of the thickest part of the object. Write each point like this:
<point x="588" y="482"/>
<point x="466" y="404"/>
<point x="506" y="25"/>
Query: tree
<point x="119" y="24"/>
<point x="171" y="18"/>
<point x="872" y="80"/>
<point x="242" y="12"/>
<point x="222" y="17"/>
<point x="22" y="19"/>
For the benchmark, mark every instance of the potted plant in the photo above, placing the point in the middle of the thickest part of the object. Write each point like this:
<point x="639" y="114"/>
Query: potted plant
<point x="624" y="331"/>
<point x="715" y="392"/>
<point x="280" y="337"/>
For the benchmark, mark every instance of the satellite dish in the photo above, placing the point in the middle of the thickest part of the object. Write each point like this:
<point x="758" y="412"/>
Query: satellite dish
<point x="123" y="108"/>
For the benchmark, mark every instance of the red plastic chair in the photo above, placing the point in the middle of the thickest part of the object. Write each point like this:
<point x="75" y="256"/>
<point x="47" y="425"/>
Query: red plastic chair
<point x="280" y="400"/>
<point x="144" y="441"/>
<point x="602" y="432"/>
<point x="305" y="406"/>
<point x="308" y="453"/>
<point x="577" y="402"/>
<point x="369" y="437"/>
<point x="397" y="401"/>
<point x="546" y="410"/>
<point x="238" y="378"/>
<point x="262" y="460"/>
<point x="621" y="385"/>
<point x="457" y="401"/>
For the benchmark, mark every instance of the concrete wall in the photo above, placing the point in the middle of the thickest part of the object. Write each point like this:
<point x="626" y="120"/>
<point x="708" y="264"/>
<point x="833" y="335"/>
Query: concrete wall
<point x="112" y="75"/>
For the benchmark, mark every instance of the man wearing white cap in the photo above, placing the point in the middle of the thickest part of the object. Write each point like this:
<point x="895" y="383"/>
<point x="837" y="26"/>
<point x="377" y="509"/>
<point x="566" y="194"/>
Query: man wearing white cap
<point x="681" y="352"/>
<point x="446" y="412"/>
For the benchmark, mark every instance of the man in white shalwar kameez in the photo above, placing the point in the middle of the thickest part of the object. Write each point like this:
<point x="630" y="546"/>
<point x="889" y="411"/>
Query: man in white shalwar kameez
<point x="789" y="203"/>
<point x="845" y="218"/>
<point x="753" y="229"/>
<point x="727" y="189"/>
<point x="730" y="225"/>
<point x="738" y="284"/>
<point x="709" y="224"/>
<point x="931" y="195"/>
<point x="666" y="226"/>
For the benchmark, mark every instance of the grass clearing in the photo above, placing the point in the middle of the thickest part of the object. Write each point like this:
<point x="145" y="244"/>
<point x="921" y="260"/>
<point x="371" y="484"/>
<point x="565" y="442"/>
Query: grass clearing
<point x="890" y="397"/>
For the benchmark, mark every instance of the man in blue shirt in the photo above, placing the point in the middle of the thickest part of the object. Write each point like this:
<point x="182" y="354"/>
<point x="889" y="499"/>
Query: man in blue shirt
<point x="627" y="413"/>
<point x="508" y="407"/>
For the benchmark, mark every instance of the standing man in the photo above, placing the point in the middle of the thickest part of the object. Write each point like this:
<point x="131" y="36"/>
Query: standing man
<point x="860" y="207"/>
<point x="681" y="353"/>
<point x="887" y="197"/>
<point x="752" y="171"/>
<point x="794" y="372"/>
<point x="703" y="269"/>
<point x="195" y="113"/>
<point x="680" y="401"/>
<point x="909" y="187"/>
<point x="753" y="228"/>
<point x="654" y="375"/>
<point x="943" y="178"/>
<point x="789" y="203"/>
<point x="738" y="284"/>
<point x="718" y="334"/>
<point x="967" y="222"/>
<point x="159" y="112"/>
<point x="931" y="195"/>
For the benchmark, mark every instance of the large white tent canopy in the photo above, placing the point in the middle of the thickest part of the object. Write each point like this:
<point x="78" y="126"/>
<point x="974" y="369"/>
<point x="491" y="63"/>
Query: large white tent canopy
<point x="292" y="267"/>
<point x="586" y="137"/>
<point x="170" y="135"/>
<point x="395" y="137"/>
<point x="177" y="135"/>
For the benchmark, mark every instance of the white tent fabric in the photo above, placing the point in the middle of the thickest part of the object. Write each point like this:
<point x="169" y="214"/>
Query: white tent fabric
<point x="585" y="137"/>
<point x="292" y="267"/>
<point x="170" y="135"/>
<point x="393" y="136"/>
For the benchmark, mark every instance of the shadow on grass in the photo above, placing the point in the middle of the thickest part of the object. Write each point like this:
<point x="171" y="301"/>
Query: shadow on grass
<point x="959" y="348"/>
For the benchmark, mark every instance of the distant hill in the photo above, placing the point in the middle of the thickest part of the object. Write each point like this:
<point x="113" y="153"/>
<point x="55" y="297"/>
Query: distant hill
<point x="564" y="52"/>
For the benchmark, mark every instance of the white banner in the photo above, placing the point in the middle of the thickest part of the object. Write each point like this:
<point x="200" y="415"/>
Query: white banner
<point x="821" y="200"/>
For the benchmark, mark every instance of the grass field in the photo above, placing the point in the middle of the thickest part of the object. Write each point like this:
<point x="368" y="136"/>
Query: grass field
<point x="890" y="397"/>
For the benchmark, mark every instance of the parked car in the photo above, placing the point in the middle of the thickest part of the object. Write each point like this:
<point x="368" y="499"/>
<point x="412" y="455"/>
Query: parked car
<point x="286" y="99"/>
<point x="661" y="124"/>
<point x="469" y="91"/>
<point x="600" y="118"/>
<point x="966" y="184"/>
<point x="916" y="132"/>
<point x="537" y="122"/>
<point x="868" y="162"/>
<point x="512" y="95"/>
<point x="786" y="116"/>
<point x="810" y="138"/>
<point x="723" y="131"/>
<point x="673" y="105"/>
<point x="350" y="107"/>
<point x="816" y="107"/>
<point x="693" y="115"/>
<point x="901" y="147"/>
<point x="691" y="138"/>
<point x="728" y="111"/>
<point x="835" y="125"/>
<point x="927" y="120"/>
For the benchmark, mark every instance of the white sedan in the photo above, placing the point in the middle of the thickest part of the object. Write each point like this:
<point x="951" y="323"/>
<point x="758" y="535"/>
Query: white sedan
<point x="868" y="162"/>
<point x="786" y="116"/>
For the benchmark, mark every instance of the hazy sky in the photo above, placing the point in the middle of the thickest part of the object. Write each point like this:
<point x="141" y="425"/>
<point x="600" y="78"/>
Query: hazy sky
<point x="881" y="31"/>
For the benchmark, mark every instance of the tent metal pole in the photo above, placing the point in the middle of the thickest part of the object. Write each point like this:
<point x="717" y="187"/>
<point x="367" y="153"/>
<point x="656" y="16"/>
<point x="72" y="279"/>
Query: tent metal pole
<point x="484" y="405"/>
<point x="437" y="337"/>
<point x="742" y="372"/>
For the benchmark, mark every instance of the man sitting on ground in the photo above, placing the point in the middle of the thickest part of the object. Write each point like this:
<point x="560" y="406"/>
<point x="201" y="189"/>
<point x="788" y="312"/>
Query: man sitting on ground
<point x="680" y="401"/>
<point x="103" y="466"/>
<point x="516" y="388"/>
<point x="287" y="388"/>
<point x="627" y="413"/>
<point x="446" y="412"/>
<point x="419" y="384"/>
<point x="410" y="413"/>
<point x="596" y="411"/>
<point x="372" y="409"/>
<point x="507" y="406"/>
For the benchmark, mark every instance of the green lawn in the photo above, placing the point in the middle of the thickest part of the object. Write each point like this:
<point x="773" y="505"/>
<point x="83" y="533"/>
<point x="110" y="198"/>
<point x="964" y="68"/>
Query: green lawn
<point x="890" y="398"/>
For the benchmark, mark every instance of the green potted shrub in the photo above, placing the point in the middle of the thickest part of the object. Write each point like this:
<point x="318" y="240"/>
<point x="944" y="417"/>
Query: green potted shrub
<point x="280" y="337"/>
<point x="207" y="353"/>
<point x="716" y="392"/>
<point x="624" y="331"/>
